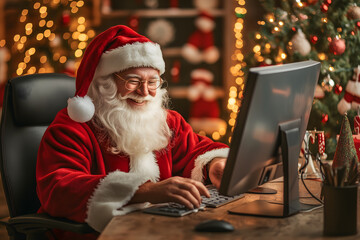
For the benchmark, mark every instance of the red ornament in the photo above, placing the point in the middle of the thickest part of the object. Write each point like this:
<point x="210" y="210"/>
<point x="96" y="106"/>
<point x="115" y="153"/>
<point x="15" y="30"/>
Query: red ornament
<point x="337" y="46"/>
<point x="314" y="39"/>
<point x="65" y="18"/>
<point x="327" y="2"/>
<point x="324" y="8"/>
<point x="338" y="89"/>
<point x="358" y="24"/>
<point x="324" y="118"/>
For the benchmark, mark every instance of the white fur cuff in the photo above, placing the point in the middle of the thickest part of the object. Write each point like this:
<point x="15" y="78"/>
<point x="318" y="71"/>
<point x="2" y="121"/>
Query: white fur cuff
<point x="110" y="196"/>
<point x="202" y="160"/>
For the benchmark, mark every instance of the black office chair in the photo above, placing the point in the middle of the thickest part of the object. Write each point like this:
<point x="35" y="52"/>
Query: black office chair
<point x="30" y="104"/>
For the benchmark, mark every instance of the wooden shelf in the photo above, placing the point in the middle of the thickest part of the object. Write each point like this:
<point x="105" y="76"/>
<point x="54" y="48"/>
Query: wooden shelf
<point x="168" y="13"/>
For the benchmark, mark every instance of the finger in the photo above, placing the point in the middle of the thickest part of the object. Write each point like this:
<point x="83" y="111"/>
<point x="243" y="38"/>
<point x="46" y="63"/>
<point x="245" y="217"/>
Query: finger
<point x="184" y="197"/>
<point x="201" y="188"/>
<point x="193" y="190"/>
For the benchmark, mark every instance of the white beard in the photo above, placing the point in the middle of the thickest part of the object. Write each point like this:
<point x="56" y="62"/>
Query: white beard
<point x="132" y="131"/>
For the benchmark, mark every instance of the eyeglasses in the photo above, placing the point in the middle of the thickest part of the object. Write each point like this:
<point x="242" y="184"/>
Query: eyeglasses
<point x="134" y="83"/>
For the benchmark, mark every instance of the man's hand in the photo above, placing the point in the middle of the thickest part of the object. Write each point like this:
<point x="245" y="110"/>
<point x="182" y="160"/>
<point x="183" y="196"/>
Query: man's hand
<point x="216" y="170"/>
<point x="175" y="189"/>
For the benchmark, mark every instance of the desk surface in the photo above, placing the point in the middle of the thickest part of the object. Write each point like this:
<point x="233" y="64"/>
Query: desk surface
<point x="138" y="225"/>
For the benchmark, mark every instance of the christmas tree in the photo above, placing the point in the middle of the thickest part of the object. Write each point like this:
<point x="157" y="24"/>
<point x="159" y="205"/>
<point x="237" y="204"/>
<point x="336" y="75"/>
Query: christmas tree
<point x="51" y="36"/>
<point x="322" y="30"/>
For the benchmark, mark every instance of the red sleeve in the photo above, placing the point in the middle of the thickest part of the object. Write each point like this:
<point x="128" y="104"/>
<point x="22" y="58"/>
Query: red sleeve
<point x="65" y="180"/>
<point x="190" y="151"/>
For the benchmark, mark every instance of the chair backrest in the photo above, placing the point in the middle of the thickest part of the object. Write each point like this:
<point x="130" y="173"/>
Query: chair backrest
<point x="30" y="104"/>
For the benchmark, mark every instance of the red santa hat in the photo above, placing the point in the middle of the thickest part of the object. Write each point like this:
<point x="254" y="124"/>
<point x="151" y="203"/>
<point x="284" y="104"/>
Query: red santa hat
<point x="116" y="49"/>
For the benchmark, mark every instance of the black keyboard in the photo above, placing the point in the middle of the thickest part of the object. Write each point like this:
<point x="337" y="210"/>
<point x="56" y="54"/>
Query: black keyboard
<point x="172" y="209"/>
<point x="216" y="199"/>
<point x="178" y="210"/>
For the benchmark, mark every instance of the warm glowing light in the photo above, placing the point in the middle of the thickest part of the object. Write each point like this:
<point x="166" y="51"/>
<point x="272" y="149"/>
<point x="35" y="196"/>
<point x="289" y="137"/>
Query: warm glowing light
<point x="32" y="51"/>
<point x="331" y="68"/>
<point x="24" y="12"/>
<point x="80" y="3"/>
<point x="74" y="10"/>
<point x="42" y="23"/>
<point x="62" y="59"/>
<point x="50" y="23"/>
<point x="43" y="9"/>
<point x="322" y="56"/>
<point x="78" y="53"/>
<point x="80" y="28"/>
<point x="36" y="5"/>
<point x="39" y="36"/>
<point x="2" y="42"/>
<point x="216" y="135"/>
<point x="43" y="59"/>
<point x="81" y="20"/>
<point x="28" y="26"/>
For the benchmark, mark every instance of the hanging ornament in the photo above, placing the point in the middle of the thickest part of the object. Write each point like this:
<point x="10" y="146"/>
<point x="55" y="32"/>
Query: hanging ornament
<point x="175" y="71"/>
<point x="324" y="118"/>
<point x="300" y="44"/>
<point x="319" y="92"/>
<point x="133" y="22"/>
<point x="65" y="18"/>
<point x="337" y="46"/>
<point x="351" y="99"/>
<point x="338" y="89"/>
<point x="328" y="84"/>
<point x="353" y="12"/>
<point x="321" y="144"/>
<point x="161" y="31"/>
<point x="314" y="39"/>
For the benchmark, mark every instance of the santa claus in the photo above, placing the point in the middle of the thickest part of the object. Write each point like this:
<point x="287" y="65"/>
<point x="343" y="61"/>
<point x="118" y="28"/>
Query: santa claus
<point x="116" y="147"/>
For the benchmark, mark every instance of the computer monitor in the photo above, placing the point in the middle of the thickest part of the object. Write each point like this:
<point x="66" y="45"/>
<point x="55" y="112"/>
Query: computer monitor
<point x="268" y="134"/>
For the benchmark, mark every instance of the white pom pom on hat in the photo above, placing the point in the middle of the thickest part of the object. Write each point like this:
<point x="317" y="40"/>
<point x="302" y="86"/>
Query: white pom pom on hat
<point x="114" y="50"/>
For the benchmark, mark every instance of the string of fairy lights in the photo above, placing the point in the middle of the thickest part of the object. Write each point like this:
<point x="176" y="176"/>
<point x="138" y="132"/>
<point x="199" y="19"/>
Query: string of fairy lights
<point x="77" y="36"/>
<point x="236" y="90"/>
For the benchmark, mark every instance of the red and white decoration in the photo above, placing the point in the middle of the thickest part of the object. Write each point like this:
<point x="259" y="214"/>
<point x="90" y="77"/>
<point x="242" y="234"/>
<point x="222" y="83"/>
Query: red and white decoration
<point x="205" y="109"/>
<point x="300" y="44"/>
<point x="161" y="31"/>
<point x="351" y="99"/>
<point x="200" y="45"/>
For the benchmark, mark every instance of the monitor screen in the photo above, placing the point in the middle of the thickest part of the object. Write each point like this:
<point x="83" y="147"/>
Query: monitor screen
<point x="277" y="101"/>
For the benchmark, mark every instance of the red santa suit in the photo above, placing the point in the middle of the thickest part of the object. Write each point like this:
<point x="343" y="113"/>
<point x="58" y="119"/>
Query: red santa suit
<point x="77" y="178"/>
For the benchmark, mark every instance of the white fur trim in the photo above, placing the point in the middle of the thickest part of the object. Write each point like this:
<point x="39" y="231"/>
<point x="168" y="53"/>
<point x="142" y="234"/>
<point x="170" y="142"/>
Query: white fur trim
<point x="202" y="74"/>
<point x="343" y="106"/>
<point x="202" y="160"/>
<point x="145" y="165"/>
<point x="117" y="188"/>
<point x="353" y="88"/>
<point x="211" y="55"/>
<point x="112" y="193"/>
<point x="80" y="109"/>
<point x="205" y="24"/>
<point x="138" y="54"/>
<point x="191" y="53"/>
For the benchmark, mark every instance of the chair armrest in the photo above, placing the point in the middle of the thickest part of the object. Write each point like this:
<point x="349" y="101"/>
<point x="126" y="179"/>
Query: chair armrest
<point x="44" y="222"/>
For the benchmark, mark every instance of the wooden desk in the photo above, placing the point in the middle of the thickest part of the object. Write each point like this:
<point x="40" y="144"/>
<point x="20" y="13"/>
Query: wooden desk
<point x="308" y="225"/>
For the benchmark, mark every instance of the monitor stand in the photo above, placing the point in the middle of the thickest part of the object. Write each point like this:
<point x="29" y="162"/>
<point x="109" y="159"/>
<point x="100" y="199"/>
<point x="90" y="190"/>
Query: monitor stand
<point x="290" y="148"/>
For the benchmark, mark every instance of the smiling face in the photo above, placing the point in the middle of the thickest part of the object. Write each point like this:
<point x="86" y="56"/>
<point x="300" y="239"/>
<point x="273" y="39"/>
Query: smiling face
<point x="139" y="96"/>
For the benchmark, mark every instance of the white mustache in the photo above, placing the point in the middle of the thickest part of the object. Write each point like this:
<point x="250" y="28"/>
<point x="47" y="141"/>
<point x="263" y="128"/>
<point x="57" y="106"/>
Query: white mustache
<point x="137" y="98"/>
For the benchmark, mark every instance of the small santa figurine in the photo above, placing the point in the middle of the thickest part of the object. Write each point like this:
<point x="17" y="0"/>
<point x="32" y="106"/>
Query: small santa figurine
<point x="205" y="110"/>
<point x="200" y="45"/>
<point x="351" y="99"/>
